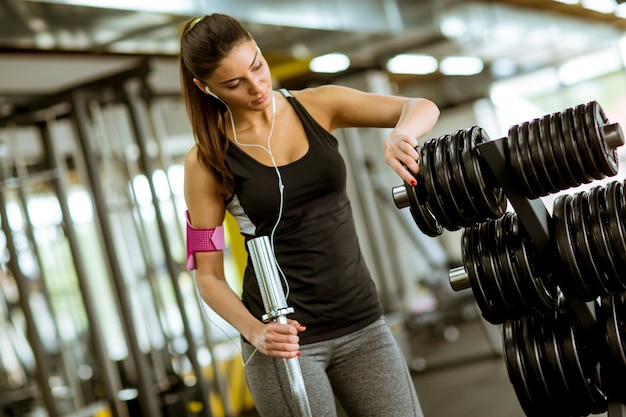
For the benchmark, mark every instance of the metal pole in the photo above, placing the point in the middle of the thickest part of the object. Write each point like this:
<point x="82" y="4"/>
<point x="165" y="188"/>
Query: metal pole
<point x="148" y="397"/>
<point x="23" y="286"/>
<point x="134" y="113"/>
<point x="276" y="309"/>
<point x="110" y="378"/>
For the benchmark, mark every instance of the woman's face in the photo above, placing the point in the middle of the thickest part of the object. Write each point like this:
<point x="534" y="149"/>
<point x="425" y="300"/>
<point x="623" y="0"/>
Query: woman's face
<point x="243" y="78"/>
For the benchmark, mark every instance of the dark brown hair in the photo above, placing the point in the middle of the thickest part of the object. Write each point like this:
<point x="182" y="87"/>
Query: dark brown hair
<point x="205" y="41"/>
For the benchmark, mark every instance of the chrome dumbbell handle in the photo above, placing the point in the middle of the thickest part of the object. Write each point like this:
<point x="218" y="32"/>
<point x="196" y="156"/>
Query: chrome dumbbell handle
<point x="459" y="279"/>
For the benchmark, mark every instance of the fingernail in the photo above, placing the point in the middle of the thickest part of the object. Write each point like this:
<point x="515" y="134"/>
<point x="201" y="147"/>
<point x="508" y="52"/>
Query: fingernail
<point x="298" y="353"/>
<point x="413" y="183"/>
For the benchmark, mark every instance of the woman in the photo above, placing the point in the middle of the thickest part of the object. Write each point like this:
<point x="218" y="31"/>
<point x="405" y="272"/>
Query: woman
<point x="268" y="157"/>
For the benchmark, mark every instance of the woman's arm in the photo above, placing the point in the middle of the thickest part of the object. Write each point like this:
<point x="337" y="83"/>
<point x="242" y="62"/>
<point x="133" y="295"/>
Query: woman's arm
<point x="207" y="210"/>
<point x="411" y="118"/>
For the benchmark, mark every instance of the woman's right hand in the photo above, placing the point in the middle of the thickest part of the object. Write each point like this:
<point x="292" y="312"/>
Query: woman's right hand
<point x="278" y="340"/>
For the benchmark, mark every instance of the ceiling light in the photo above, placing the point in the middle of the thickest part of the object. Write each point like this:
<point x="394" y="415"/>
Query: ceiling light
<point x="412" y="64"/>
<point x="180" y="7"/>
<point x="567" y="1"/>
<point x="590" y="66"/>
<point x="453" y="27"/>
<point x="602" y="6"/>
<point x="330" y="63"/>
<point x="461" y="65"/>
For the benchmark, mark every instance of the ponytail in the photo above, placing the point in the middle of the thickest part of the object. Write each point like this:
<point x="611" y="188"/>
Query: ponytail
<point x="204" y="43"/>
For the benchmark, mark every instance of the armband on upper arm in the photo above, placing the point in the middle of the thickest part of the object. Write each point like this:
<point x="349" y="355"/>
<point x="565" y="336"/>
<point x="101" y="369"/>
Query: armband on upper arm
<point x="202" y="240"/>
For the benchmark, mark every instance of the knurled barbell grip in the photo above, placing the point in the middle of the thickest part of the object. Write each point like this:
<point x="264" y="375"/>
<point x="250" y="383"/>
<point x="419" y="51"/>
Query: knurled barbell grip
<point x="459" y="279"/>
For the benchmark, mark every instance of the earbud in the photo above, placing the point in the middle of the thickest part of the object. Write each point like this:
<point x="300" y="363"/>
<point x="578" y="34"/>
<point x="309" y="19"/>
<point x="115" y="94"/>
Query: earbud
<point x="211" y="93"/>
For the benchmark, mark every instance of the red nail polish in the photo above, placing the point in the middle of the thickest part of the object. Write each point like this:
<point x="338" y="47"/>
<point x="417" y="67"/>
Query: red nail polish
<point x="413" y="183"/>
<point x="298" y="353"/>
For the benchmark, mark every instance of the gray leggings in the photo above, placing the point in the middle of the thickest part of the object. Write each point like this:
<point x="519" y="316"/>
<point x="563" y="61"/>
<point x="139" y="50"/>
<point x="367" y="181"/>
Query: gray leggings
<point x="364" y="371"/>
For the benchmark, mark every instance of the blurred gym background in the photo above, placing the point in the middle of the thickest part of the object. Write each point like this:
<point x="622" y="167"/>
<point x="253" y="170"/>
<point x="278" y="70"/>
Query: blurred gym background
<point x="98" y="316"/>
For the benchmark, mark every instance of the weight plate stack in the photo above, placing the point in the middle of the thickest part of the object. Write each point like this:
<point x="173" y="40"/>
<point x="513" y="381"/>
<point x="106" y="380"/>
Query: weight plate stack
<point x="563" y="150"/>
<point x="502" y="269"/>
<point x="551" y="365"/>
<point x="590" y="234"/>
<point x="612" y="318"/>
<point x="455" y="189"/>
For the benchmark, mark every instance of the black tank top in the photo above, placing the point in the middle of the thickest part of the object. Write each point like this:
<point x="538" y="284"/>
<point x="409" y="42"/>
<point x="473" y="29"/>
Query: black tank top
<point x="315" y="243"/>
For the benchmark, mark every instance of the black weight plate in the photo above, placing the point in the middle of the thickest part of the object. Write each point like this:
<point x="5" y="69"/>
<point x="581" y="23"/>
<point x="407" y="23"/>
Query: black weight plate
<point x="586" y="256"/>
<point x="554" y="361"/>
<point x="605" y="157"/>
<point x="573" y="154"/>
<point x="538" y="158"/>
<point x="489" y="262"/>
<point x="560" y="152"/>
<point x="615" y="214"/>
<point x="582" y="141"/>
<point x="525" y="256"/>
<point x="600" y="239"/>
<point x="536" y="374"/>
<point x="493" y="195"/>
<point x="487" y="308"/>
<point x="515" y="296"/>
<point x="515" y="159"/>
<point x="489" y="277"/>
<point x="536" y="400"/>
<point x="464" y="208"/>
<point x="569" y="283"/>
<point x="437" y="207"/>
<point x="615" y="325"/>
<point x="579" y="370"/>
<point x="613" y="361"/>
<point x="545" y="140"/>
<point x="535" y="188"/>
<point x="443" y="183"/>
<point x="511" y="267"/>
<point x="514" y="368"/>
<point x="419" y="211"/>
<point x="458" y="175"/>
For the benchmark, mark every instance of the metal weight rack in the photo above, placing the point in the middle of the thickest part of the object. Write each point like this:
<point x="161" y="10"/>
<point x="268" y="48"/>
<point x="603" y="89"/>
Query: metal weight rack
<point x="552" y="281"/>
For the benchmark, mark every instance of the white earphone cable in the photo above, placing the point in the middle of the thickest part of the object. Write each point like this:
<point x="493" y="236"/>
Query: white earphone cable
<point x="281" y="188"/>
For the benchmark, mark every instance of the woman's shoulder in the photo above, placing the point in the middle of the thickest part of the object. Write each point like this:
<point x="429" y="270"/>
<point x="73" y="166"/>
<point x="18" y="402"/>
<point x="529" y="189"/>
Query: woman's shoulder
<point x="324" y="103"/>
<point x="321" y="94"/>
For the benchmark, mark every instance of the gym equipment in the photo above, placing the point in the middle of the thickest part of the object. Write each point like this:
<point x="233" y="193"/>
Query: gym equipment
<point x="504" y="273"/>
<point x="137" y="345"/>
<point x="552" y="281"/>
<point x="277" y="310"/>
<point x="454" y="188"/>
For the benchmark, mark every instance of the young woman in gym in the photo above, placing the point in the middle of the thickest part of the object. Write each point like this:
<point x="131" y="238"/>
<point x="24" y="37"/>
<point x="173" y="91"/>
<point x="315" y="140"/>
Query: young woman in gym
<point x="269" y="158"/>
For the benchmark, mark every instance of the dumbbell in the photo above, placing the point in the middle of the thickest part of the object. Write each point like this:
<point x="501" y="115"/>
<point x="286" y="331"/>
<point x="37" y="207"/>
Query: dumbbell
<point x="563" y="149"/>
<point x="560" y="150"/>
<point x="590" y="233"/>
<point x="454" y="187"/>
<point x="552" y="364"/>
<point x="501" y="266"/>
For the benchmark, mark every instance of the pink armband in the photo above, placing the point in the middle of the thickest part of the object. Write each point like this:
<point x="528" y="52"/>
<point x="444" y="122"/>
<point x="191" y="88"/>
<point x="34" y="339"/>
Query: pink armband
<point x="202" y="240"/>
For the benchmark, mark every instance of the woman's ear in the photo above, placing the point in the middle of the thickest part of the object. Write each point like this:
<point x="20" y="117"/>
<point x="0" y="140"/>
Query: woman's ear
<point x="199" y="84"/>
